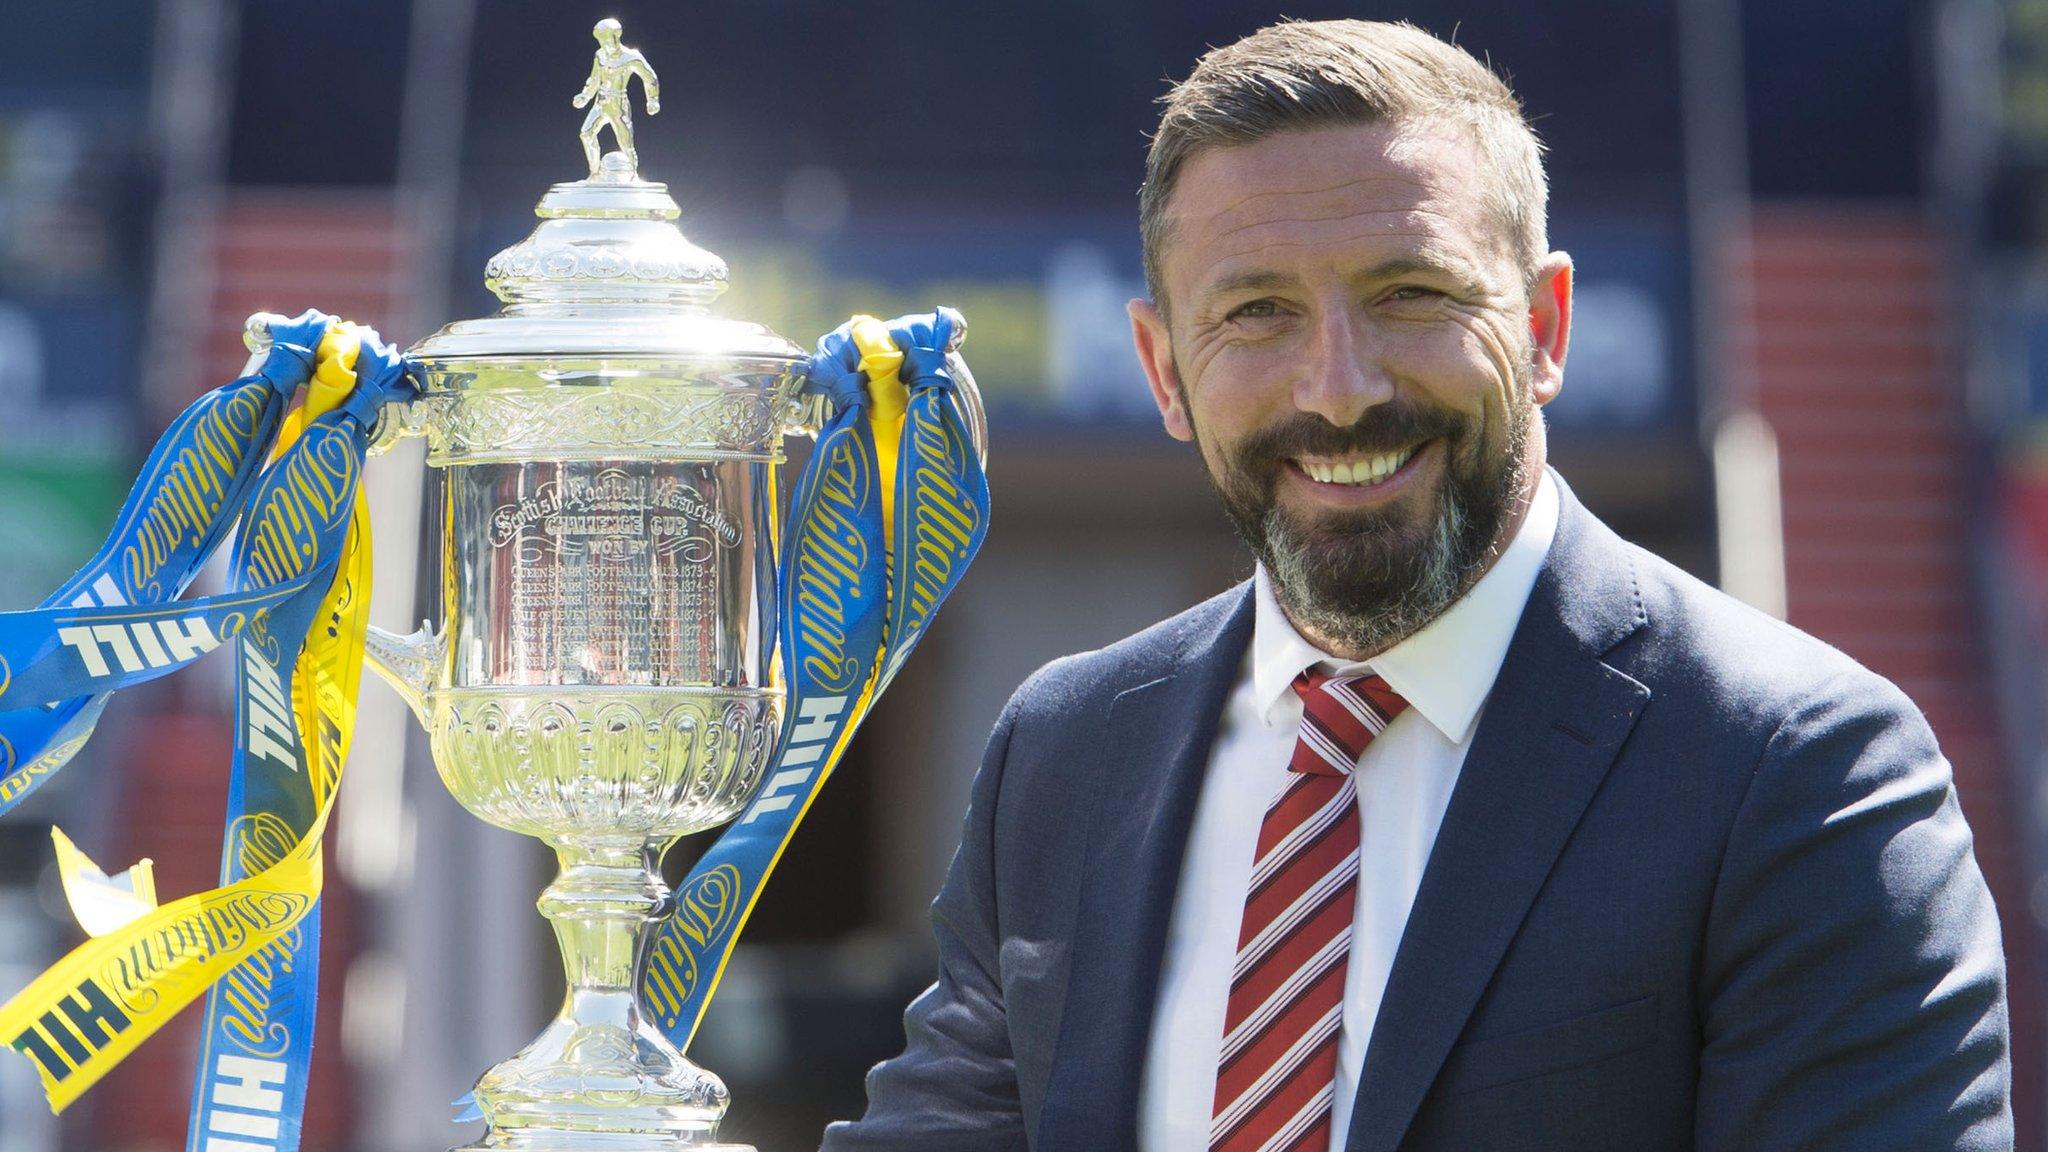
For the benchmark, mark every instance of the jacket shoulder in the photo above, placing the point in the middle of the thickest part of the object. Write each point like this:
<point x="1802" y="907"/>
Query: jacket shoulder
<point x="1745" y="664"/>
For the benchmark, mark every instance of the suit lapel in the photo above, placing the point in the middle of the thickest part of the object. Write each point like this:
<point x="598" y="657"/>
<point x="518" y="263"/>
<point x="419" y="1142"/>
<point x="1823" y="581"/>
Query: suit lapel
<point x="1554" y="721"/>
<point x="1159" y="736"/>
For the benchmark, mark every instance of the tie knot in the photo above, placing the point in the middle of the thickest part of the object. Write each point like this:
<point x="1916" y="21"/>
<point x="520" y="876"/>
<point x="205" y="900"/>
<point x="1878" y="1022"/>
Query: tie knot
<point x="1339" y="716"/>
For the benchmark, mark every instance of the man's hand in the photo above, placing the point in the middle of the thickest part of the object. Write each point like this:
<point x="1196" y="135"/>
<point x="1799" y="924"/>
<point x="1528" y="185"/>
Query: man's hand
<point x="653" y="105"/>
<point x="954" y="1088"/>
<point x="581" y="99"/>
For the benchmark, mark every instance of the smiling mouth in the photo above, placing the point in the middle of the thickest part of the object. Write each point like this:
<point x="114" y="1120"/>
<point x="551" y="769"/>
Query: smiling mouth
<point x="1356" y="470"/>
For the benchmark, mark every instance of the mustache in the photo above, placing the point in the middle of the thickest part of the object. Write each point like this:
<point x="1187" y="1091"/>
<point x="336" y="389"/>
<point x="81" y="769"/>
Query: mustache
<point x="1383" y="429"/>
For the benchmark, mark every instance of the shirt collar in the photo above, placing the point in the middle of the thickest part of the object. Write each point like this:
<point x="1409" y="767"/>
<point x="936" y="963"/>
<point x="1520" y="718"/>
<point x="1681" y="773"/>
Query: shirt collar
<point x="1445" y="670"/>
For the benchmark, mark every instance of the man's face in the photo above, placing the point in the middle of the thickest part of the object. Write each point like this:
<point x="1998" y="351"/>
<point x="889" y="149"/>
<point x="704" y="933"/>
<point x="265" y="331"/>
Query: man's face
<point x="1352" y="347"/>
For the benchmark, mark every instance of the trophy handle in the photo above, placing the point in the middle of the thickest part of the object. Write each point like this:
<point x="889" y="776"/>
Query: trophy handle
<point x="256" y="338"/>
<point x="969" y="394"/>
<point x="407" y="663"/>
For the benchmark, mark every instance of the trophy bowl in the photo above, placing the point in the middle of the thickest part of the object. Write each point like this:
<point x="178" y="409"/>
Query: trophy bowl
<point x="603" y="455"/>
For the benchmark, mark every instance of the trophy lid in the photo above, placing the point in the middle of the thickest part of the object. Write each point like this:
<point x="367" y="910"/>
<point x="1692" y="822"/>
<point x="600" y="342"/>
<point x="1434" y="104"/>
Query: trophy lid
<point x="607" y="272"/>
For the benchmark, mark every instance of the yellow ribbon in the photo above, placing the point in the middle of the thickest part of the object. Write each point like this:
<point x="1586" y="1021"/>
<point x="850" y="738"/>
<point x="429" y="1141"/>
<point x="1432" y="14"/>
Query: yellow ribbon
<point x="888" y="401"/>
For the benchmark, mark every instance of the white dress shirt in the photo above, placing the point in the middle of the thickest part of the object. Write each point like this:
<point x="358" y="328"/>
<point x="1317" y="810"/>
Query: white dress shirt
<point x="1404" y="783"/>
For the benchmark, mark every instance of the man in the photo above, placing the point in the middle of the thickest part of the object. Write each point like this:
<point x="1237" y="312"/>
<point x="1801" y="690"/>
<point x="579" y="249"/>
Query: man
<point x="1465" y="825"/>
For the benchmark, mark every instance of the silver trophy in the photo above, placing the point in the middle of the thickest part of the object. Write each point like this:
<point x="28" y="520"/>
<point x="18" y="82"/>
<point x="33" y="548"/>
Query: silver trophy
<point x="604" y="454"/>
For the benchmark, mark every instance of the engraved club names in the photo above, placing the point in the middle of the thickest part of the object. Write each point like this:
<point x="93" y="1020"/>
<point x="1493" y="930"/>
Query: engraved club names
<point x="614" y="571"/>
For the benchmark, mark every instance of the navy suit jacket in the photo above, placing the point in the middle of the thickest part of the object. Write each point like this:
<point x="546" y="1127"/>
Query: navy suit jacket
<point x="1702" y="884"/>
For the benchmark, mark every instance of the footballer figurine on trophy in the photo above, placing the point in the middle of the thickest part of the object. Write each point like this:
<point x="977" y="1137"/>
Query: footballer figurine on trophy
<point x="609" y="95"/>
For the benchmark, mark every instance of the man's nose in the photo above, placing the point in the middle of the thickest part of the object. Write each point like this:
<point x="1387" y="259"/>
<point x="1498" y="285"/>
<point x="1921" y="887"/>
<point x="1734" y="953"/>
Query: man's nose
<point x="1343" y="377"/>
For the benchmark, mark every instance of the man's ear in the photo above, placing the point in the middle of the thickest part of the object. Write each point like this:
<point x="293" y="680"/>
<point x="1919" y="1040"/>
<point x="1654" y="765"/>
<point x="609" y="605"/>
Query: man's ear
<point x="1550" y="324"/>
<point x="1155" y="355"/>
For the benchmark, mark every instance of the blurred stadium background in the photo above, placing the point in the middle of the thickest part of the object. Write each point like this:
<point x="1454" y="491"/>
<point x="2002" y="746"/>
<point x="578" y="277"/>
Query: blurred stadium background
<point x="1810" y="364"/>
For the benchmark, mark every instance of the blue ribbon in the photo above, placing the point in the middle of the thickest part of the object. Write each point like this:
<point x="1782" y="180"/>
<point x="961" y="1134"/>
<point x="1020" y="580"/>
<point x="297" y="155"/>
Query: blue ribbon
<point x="847" y="620"/>
<point x="257" y="1044"/>
<point x="834" y="599"/>
<point x="942" y="501"/>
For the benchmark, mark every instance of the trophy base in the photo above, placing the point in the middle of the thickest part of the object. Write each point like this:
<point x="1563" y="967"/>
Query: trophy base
<point x="557" y="1140"/>
<point x="584" y="1087"/>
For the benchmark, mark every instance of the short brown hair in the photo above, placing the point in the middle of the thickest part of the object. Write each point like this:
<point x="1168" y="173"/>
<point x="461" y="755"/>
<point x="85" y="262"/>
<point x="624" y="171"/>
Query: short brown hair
<point x="1312" y="74"/>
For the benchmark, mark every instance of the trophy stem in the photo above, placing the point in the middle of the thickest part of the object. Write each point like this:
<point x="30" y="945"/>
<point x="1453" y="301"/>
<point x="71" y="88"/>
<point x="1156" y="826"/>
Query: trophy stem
<point x="601" y="904"/>
<point x="601" y="1076"/>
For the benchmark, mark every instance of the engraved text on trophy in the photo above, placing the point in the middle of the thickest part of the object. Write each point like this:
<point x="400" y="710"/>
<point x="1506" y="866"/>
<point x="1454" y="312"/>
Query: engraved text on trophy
<point x="605" y="572"/>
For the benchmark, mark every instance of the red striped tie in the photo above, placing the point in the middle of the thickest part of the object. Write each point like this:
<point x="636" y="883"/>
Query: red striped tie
<point x="1277" y="1078"/>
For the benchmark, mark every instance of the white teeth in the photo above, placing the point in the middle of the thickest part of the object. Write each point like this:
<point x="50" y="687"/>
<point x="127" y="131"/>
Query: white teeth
<point x="1370" y="470"/>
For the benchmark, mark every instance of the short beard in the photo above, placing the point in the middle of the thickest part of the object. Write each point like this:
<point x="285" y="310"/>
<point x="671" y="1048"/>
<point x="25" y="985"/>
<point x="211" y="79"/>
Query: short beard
<point x="1366" y="581"/>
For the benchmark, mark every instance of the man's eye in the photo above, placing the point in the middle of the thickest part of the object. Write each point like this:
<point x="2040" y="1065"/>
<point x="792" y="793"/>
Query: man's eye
<point x="1413" y="292"/>
<point x="1256" y="310"/>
